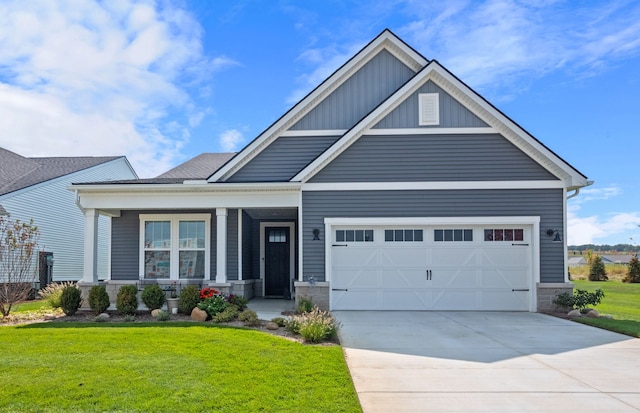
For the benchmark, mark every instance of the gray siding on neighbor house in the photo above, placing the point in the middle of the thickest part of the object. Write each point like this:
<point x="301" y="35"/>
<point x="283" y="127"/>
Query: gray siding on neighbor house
<point x="283" y="159"/>
<point x="452" y="113"/>
<point x="545" y="203"/>
<point x="360" y="94"/>
<point x="398" y="158"/>
<point x="125" y="243"/>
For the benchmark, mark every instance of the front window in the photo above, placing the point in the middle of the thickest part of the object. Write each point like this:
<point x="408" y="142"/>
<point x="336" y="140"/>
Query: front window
<point x="175" y="246"/>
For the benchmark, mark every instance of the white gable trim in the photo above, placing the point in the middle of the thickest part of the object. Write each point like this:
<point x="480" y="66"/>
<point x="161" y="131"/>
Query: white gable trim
<point x="386" y="40"/>
<point x="435" y="185"/>
<point x="471" y="100"/>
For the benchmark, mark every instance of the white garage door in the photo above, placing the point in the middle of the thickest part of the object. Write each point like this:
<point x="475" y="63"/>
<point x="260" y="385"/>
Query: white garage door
<point x="468" y="267"/>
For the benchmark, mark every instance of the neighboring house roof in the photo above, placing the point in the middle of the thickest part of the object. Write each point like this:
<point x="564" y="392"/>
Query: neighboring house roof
<point x="575" y="261"/>
<point x="18" y="172"/>
<point x="200" y="167"/>
<point x="617" y="258"/>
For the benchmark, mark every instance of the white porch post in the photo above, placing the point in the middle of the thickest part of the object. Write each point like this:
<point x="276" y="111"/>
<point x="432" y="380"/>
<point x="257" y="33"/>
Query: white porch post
<point x="221" y="245"/>
<point x="90" y="270"/>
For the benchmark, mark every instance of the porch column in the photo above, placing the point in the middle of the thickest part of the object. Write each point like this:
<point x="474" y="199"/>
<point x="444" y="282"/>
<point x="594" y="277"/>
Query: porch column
<point x="221" y="245"/>
<point x="90" y="270"/>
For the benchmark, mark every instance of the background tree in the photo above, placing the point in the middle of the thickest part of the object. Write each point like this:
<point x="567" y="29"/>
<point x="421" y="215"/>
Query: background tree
<point x="18" y="246"/>
<point x="597" y="271"/>
<point x="633" y="276"/>
<point x="589" y="257"/>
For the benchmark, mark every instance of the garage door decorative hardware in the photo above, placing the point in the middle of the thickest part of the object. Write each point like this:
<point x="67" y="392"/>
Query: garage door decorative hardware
<point x="339" y="289"/>
<point x="429" y="275"/>
<point x="520" y="289"/>
<point x="521" y="245"/>
<point x="339" y="245"/>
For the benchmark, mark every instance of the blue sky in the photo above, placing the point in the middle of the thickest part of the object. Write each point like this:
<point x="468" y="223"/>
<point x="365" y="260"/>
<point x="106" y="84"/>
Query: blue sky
<point x="161" y="82"/>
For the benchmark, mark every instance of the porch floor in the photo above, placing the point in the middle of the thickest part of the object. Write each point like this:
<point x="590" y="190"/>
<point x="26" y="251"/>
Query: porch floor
<point x="268" y="308"/>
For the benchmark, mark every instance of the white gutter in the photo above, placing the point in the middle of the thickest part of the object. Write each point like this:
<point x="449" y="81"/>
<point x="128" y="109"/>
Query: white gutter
<point x="577" y="190"/>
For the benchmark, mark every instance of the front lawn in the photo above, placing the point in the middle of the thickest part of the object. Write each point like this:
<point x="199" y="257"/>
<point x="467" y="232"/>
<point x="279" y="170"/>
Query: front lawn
<point x="621" y="300"/>
<point x="185" y="367"/>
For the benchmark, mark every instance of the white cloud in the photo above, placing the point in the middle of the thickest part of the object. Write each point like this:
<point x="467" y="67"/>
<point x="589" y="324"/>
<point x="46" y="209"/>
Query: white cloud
<point x="593" y="229"/>
<point x="501" y="42"/>
<point x="231" y="140"/>
<point x="99" y="78"/>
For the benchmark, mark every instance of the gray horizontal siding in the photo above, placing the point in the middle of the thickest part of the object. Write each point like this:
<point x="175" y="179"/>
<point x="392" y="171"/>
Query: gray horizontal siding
<point x="283" y="159"/>
<point x="232" y="245"/>
<point x="360" y="94"/>
<point x="545" y="203"/>
<point x="432" y="158"/>
<point x="452" y="113"/>
<point x="247" y="248"/>
<point x="125" y="243"/>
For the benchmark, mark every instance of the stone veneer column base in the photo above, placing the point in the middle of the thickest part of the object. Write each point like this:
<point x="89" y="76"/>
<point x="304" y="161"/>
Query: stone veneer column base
<point x="318" y="293"/>
<point x="547" y="292"/>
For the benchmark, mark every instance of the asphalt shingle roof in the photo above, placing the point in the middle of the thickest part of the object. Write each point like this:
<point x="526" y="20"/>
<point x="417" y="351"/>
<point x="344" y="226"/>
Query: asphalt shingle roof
<point x="18" y="172"/>
<point x="200" y="167"/>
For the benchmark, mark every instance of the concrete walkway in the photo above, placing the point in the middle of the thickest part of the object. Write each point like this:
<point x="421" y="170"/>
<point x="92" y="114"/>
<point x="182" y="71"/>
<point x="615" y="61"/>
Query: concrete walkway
<point x="487" y="362"/>
<point x="269" y="308"/>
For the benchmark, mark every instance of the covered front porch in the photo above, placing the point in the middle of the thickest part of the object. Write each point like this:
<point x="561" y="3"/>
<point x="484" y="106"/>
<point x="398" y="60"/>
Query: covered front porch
<point x="232" y="237"/>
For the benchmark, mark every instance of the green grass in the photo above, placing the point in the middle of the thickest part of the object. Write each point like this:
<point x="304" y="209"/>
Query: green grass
<point x="621" y="300"/>
<point x="185" y="367"/>
<point x="29" y="306"/>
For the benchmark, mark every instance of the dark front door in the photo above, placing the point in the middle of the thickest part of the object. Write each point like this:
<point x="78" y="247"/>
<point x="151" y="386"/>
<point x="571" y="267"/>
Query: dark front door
<point x="277" y="269"/>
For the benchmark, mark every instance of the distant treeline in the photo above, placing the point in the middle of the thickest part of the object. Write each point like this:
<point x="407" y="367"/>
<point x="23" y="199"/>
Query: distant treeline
<point x="623" y="248"/>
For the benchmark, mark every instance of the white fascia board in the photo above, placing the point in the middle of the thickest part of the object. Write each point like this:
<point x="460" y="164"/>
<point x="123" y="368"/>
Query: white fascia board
<point x="195" y="200"/>
<point x="187" y="186"/>
<point x="386" y="40"/>
<point x="432" y="131"/>
<point x="314" y="132"/>
<point x="440" y="185"/>
<point x="479" y="220"/>
<point x="505" y="126"/>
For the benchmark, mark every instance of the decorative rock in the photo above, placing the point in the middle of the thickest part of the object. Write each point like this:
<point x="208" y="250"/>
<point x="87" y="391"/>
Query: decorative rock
<point x="198" y="314"/>
<point x="609" y="316"/>
<point x="574" y="313"/>
<point x="102" y="316"/>
<point x="154" y="313"/>
<point x="593" y="314"/>
<point x="272" y="326"/>
<point x="49" y="317"/>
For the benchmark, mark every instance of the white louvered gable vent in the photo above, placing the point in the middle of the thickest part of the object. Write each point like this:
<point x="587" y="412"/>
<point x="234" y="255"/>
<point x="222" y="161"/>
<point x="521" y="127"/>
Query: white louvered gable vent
<point x="429" y="107"/>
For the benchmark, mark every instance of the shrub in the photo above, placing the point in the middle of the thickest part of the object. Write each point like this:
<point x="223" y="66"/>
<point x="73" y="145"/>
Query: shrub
<point x="249" y="318"/>
<point x="229" y="314"/>
<point x="189" y="298"/>
<point x="281" y="322"/>
<point x="213" y="305"/>
<point x="153" y="297"/>
<point x="293" y="325"/>
<point x="163" y="315"/>
<point x="238" y="301"/>
<point x="597" y="271"/>
<point x="580" y="299"/>
<point x="633" y="276"/>
<point x="98" y="299"/>
<point x="129" y="318"/>
<point x="127" y="300"/>
<point x="52" y="293"/>
<point x="314" y="326"/>
<point x="70" y="299"/>
<point x="305" y="305"/>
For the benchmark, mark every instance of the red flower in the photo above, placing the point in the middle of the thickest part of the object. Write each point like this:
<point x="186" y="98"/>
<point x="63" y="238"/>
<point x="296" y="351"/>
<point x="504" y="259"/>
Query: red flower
<point x="208" y="292"/>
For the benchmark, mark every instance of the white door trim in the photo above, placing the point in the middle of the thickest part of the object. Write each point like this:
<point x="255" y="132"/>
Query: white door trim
<point x="292" y="249"/>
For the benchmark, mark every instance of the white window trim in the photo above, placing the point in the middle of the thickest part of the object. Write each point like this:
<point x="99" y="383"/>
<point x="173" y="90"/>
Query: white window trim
<point x="174" y="220"/>
<point x="431" y="100"/>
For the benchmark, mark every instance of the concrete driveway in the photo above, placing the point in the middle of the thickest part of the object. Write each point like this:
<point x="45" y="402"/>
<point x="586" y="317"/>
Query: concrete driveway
<point x="412" y="361"/>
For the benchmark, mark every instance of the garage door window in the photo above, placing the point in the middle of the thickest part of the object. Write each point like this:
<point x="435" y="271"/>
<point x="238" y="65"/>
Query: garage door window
<point x="503" y="235"/>
<point x="453" y="235"/>
<point x="354" y="235"/>
<point x="403" y="235"/>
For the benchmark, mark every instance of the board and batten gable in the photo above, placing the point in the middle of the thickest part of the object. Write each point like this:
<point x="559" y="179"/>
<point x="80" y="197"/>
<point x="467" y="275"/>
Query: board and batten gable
<point x="54" y="211"/>
<point x="281" y="160"/>
<point x="452" y="113"/>
<point x="432" y="157"/>
<point x="358" y="95"/>
<point x="545" y="203"/>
